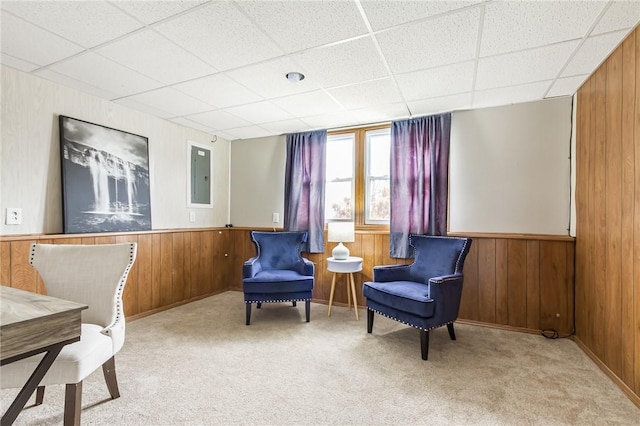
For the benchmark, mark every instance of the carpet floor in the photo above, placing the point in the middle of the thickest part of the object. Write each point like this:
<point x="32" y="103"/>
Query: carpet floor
<point x="199" y="364"/>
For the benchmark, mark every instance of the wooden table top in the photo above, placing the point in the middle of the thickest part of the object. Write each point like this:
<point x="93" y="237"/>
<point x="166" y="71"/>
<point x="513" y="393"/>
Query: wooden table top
<point x="30" y="321"/>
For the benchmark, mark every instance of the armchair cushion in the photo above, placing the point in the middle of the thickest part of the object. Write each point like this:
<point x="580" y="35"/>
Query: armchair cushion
<point x="287" y="281"/>
<point x="406" y="296"/>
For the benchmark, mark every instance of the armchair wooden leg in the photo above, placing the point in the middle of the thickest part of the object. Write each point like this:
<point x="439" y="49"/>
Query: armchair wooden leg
<point x="369" y="320"/>
<point x="424" y="344"/>
<point x="39" y="395"/>
<point x="307" y="309"/>
<point x="109" y="371"/>
<point x="248" y="308"/>
<point x="294" y="303"/>
<point x="72" y="404"/>
<point x="452" y="333"/>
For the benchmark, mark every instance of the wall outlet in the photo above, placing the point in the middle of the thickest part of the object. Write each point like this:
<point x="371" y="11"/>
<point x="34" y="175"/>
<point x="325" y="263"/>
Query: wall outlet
<point x="14" y="216"/>
<point x="275" y="218"/>
<point x="192" y="216"/>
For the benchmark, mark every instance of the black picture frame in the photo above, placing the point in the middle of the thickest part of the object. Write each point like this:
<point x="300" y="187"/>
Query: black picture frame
<point x="105" y="178"/>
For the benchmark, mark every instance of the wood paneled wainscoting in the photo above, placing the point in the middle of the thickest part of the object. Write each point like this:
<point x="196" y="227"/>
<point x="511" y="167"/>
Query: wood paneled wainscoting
<point x="511" y="281"/>
<point x="519" y="282"/>
<point x="608" y="216"/>
<point x="172" y="267"/>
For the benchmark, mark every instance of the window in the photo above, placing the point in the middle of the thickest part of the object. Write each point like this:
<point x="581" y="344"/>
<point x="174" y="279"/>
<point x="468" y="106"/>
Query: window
<point x="357" y="176"/>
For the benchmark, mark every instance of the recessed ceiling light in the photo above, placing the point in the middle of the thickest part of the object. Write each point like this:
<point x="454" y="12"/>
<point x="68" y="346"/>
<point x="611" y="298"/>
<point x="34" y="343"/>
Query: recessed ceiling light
<point x="295" y="76"/>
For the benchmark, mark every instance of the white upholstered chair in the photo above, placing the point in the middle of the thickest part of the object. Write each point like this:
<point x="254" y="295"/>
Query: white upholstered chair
<point x="94" y="275"/>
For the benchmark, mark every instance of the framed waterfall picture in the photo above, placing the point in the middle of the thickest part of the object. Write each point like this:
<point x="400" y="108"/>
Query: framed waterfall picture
<point x="105" y="178"/>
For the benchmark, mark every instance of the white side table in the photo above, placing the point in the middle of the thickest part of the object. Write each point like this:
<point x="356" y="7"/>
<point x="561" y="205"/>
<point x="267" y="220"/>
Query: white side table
<point x="348" y="266"/>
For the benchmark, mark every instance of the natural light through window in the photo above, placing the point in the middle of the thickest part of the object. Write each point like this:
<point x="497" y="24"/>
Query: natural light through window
<point x="357" y="176"/>
<point x="339" y="178"/>
<point x="377" y="197"/>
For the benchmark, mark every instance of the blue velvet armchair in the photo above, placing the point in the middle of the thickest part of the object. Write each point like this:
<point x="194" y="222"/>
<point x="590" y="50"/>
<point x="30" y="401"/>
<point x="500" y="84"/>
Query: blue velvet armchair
<point x="278" y="273"/>
<point x="425" y="294"/>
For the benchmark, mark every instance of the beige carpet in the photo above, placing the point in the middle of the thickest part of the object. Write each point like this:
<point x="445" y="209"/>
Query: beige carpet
<point x="199" y="364"/>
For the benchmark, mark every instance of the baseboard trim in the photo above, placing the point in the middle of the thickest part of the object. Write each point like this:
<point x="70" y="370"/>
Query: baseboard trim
<point x="173" y="305"/>
<point x="499" y="326"/>
<point x="606" y="370"/>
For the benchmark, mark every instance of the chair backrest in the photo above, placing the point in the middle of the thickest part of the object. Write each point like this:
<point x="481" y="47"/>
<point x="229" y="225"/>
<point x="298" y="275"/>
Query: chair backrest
<point x="437" y="256"/>
<point x="279" y="250"/>
<point x="94" y="275"/>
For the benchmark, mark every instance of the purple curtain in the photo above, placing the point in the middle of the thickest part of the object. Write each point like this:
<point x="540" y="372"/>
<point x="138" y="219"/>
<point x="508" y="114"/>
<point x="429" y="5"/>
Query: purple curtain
<point x="419" y="172"/>
<point x="304" y="187"/>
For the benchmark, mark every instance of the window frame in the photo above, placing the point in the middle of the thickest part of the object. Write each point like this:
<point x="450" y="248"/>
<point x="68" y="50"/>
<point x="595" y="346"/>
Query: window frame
<point x="359" y="176"/>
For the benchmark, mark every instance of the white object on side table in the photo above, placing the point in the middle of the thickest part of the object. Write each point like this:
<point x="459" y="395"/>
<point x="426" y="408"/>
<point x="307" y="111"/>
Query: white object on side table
<point x="347" y="266"/>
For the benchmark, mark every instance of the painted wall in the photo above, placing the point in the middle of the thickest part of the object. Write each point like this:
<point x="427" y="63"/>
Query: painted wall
<point x="30" y="156"/>
<point x="257" y="181"/>
<point x="510" y="169"/>
<point x="522" y="187"/>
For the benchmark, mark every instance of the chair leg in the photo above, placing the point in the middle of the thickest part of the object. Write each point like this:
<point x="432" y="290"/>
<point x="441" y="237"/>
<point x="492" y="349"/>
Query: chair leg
<point x="452" y="333"/>
<point x="369" y="320"/>
<point x="307" y="309"/>
<point x="39" y="395"/>
<point x="424" y="344"/>
<point x="294" y="303"/>
<point x="72" y="404"/>
<point x="248" y="308"/>
<point x="109" y="371"/>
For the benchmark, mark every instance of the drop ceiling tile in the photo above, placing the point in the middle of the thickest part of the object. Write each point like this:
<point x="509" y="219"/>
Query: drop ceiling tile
<point x="344" y="63"/>
<point x="172" y="101"/>
<point x="513" y="25"/>
<point x="220" y="35"/>
<point x="361" y="95"/>
<point x="18" y="64"/>
<point x="593" y="52"/>
<point x="439" y="41"/>
<point x="27" y="42"/>
<point x="260" y="112"/>
<point x="268" y="78"/>
<point x="87" y="23"/>
<point x="218" y="120"/>
<point x="75" y="84"/>
<point x="543" y="63"/>
<point x="334" y="120"/>
<point x="385" y="13"/>
<point x="147" y="109"/>
<point x="218" y="90"/>
<point x="154" y="56"/>
<point x="285" y="126"/>
<point x="620" y="15"/>
<point x="191" y="124"/>
<point x="566" y="86"/>
<point x="440" y="105"/>
<point x="154" y="11"/>
<point x="435" y="82"/>
<point x="249" y="132"/>
<point x="510" y="95"/>
<point x="381" y="113"/>
<point x="307" y="104"/>
<point x="103" y="73"/>
<point x="324" y="22"/>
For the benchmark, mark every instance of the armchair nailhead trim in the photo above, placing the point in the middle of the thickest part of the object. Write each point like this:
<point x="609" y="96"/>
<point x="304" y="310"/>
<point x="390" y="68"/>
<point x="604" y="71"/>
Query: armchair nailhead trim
<point x="272" y="301"/>
<point x="120" y="291"/>
<point x="409" y="324"/>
